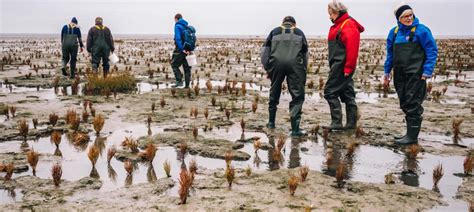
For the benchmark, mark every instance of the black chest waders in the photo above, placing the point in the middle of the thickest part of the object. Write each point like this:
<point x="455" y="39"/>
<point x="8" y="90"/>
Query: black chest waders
<point x="408" y="61"/>
<point x="69" y="50"/>
<point x="100" y="51"/>
<point x="287" y="61"/>
<point x="339" y="86"/>
<point x="178" y="59"/>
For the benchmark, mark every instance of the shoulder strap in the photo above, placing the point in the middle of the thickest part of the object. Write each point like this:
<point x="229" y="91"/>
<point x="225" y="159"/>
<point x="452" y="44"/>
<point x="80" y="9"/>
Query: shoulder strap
<point x="283" y="30"/>
<point x="100" y="28"/>
<point x="412" y="34"/>
<point x="340" y="28"/>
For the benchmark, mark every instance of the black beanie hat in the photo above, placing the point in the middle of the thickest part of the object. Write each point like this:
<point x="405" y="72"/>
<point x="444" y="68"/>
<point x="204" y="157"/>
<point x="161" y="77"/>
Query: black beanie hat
<point x="74" y="20"/>
<point x="400" y="11"/>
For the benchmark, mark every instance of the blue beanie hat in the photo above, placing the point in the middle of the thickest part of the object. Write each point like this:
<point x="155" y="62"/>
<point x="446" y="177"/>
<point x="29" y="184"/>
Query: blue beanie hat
<point x="74" y="20"/>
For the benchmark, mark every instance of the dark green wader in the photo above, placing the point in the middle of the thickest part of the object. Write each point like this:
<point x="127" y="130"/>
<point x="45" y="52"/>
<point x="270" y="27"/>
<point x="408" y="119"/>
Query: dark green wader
<point x="100" y="51"/>
<point x="287" y="62"/>
<point x="408" y="60"/>
<point x="338" y="86"/>
<point x="69" y="50"/>
<point x="178" y="60"/>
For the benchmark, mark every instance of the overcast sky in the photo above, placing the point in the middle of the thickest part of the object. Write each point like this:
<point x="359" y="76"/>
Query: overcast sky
<point x="227" y="17"/>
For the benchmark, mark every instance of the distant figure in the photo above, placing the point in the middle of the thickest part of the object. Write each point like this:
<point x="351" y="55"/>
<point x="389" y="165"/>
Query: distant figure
<point x="412" y="53"/>
<point x="285" y="55"/>
<point x="70" y="37"/>
<point x="184" y="40"/>
<point x="343" y="47"/>
<point x="100" y="43"/>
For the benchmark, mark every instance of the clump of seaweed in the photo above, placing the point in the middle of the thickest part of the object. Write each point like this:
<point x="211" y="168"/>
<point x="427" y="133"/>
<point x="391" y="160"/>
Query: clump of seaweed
<point x="33" y="157"/>
<point x="111" y="153"/>
<point x="185" y="182"/>
<point x="292" y="184"/>
<point x="98" y="123"/>
<point x="437" y="174"/>
<point x="56" y="172"/>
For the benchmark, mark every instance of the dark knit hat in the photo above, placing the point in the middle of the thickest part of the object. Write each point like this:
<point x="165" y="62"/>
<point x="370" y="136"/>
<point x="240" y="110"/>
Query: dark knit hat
<point x="98" y="21"/>
<point x="74" y="20"/>
<point x="289" y="19"/>
<point x="400" y="11"/>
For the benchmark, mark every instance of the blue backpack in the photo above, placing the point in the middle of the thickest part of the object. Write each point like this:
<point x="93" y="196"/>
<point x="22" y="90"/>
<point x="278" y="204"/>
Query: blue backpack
<point x="189" y="38"/>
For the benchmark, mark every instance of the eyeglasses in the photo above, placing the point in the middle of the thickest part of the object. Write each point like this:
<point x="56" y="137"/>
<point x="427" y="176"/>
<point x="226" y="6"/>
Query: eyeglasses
<point x="407" y="16"/>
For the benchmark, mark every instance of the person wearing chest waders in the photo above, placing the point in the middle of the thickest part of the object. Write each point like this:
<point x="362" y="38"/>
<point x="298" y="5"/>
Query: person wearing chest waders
<point x="411" y="53"/>
<point x="70" y="38"/>
<point x="343" y="47"/>
<point x="99" y="44"/>
<point x="285" y="55"/>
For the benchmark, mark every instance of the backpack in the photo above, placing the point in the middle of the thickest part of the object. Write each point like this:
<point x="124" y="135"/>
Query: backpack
<point x="189" y="38"/>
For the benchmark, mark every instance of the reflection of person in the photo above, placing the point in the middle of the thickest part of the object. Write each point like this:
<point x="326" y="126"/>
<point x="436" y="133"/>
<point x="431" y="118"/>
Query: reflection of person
<point x="285" y="55"/>
<point x="295" y="158"/>
<point x="100" y="43"/>
<point x="272" y="164"/>
<point x="412" y="53"/>
<point x="409" y="175"/>
<point x="70" y="38"/>
<point x="343" y="46"/>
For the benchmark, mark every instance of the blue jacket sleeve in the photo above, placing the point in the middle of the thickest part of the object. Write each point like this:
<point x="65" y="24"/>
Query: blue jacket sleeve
<point x="177" y="38"/>
<point x="63" y="31"/>
<point x="431" y="50"/>
<point x="389" y="60"/>
<point x="79" y="37"/>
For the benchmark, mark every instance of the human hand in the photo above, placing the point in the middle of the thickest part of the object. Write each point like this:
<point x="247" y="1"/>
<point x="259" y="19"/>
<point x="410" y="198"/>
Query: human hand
<point x="186" y="52"/>
<point x="346" y="74"/>
<point x="82" y="49"/>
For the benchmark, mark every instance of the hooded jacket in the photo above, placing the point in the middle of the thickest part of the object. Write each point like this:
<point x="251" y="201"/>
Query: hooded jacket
<point x="350" y="37"/>
<point x="422" y="36"/>
<point x="179" y="28"/>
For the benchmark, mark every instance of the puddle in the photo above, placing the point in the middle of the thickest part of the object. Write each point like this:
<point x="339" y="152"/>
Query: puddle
<point x="145" y="87"/>
<point x="35" y="93"/>
<point x="10" y="196"/>
<point x="468" y="142"/>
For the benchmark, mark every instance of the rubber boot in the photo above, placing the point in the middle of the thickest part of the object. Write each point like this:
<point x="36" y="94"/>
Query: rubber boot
<point x="106" y="73"/>
<point x="336" y="114"/>
<point x="177" y="84"/>
<point x="295" y="128"/>
<point x="397" y="138"/>
<point x="186" y="83"/>
<point x="413" y="129"/>
<point x="64" y="72"/>
<point x="73" y="74"/>
<point x="271" y="119"/>
<point x="351" y="117"/>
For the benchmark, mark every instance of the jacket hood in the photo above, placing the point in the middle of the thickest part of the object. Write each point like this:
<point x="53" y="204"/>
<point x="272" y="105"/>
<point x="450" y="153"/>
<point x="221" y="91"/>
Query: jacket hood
<point x="414" y="24"/>
<point x="344" y="17"/>
<point x="182" y="22"/>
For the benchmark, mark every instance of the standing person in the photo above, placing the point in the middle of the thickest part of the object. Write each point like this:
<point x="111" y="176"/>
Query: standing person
<point x="343" y="46"/>
<point x="285" y="55"/>
<point x="70" y="37"/>
<point x="412" y="53"/>
<point x="100" y="43"/>
<point x="184" y="40"/>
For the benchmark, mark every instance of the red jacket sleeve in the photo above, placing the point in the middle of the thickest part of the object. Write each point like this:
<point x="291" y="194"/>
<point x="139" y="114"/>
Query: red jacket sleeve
<point x="350" y="36"/>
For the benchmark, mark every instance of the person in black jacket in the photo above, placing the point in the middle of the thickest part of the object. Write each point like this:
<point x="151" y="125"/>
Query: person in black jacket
<point x="100" y="43"/>
<point x="285" y="55"/>
<point x="70" y="38"/>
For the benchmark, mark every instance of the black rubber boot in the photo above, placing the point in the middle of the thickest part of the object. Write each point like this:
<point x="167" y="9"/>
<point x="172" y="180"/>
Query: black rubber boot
<point x="351" y="117"/>
<point x="64" y="72"/>
<point x="178" y="84"/>
<point x="271" y="119"/>
<point x="398" y="138"/>
<point x="295" y="128"/>
<point x="413" y="129"/>
<point x="186" y="83"/>
<point x="73" y="74"/>
<point x="336" y="114"/>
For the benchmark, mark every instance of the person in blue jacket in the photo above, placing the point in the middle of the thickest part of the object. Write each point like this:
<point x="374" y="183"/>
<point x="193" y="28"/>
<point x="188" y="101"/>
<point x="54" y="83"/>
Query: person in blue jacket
<point x="179" y="54"/>
<point x="70" y="37"/>
<point x="411" y="53"/>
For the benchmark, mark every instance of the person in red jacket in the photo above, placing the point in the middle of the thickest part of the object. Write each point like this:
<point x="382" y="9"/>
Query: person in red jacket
<point x="343" y="46"/>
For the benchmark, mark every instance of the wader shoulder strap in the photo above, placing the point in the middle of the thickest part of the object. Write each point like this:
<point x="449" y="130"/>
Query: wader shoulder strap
<point x="412" y="33"/>
<point x="340" y="29"/>
<point x="100" y="28"/>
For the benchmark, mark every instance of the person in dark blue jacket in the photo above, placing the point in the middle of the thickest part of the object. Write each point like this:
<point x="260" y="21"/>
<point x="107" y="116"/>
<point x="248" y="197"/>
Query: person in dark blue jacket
<point x="179" y="53"/>
<point x="70" y="37"/>
<point x="411" y="53"/>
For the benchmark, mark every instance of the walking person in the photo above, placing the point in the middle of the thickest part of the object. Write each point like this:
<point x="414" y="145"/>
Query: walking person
<point x="70" y="38"/>
<point x="99" y="44"/>
<point x="412" y="54"/>
<point x="185" y="40"/>
<point x="343" y="47"/>
<point x="285" y="55"/>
